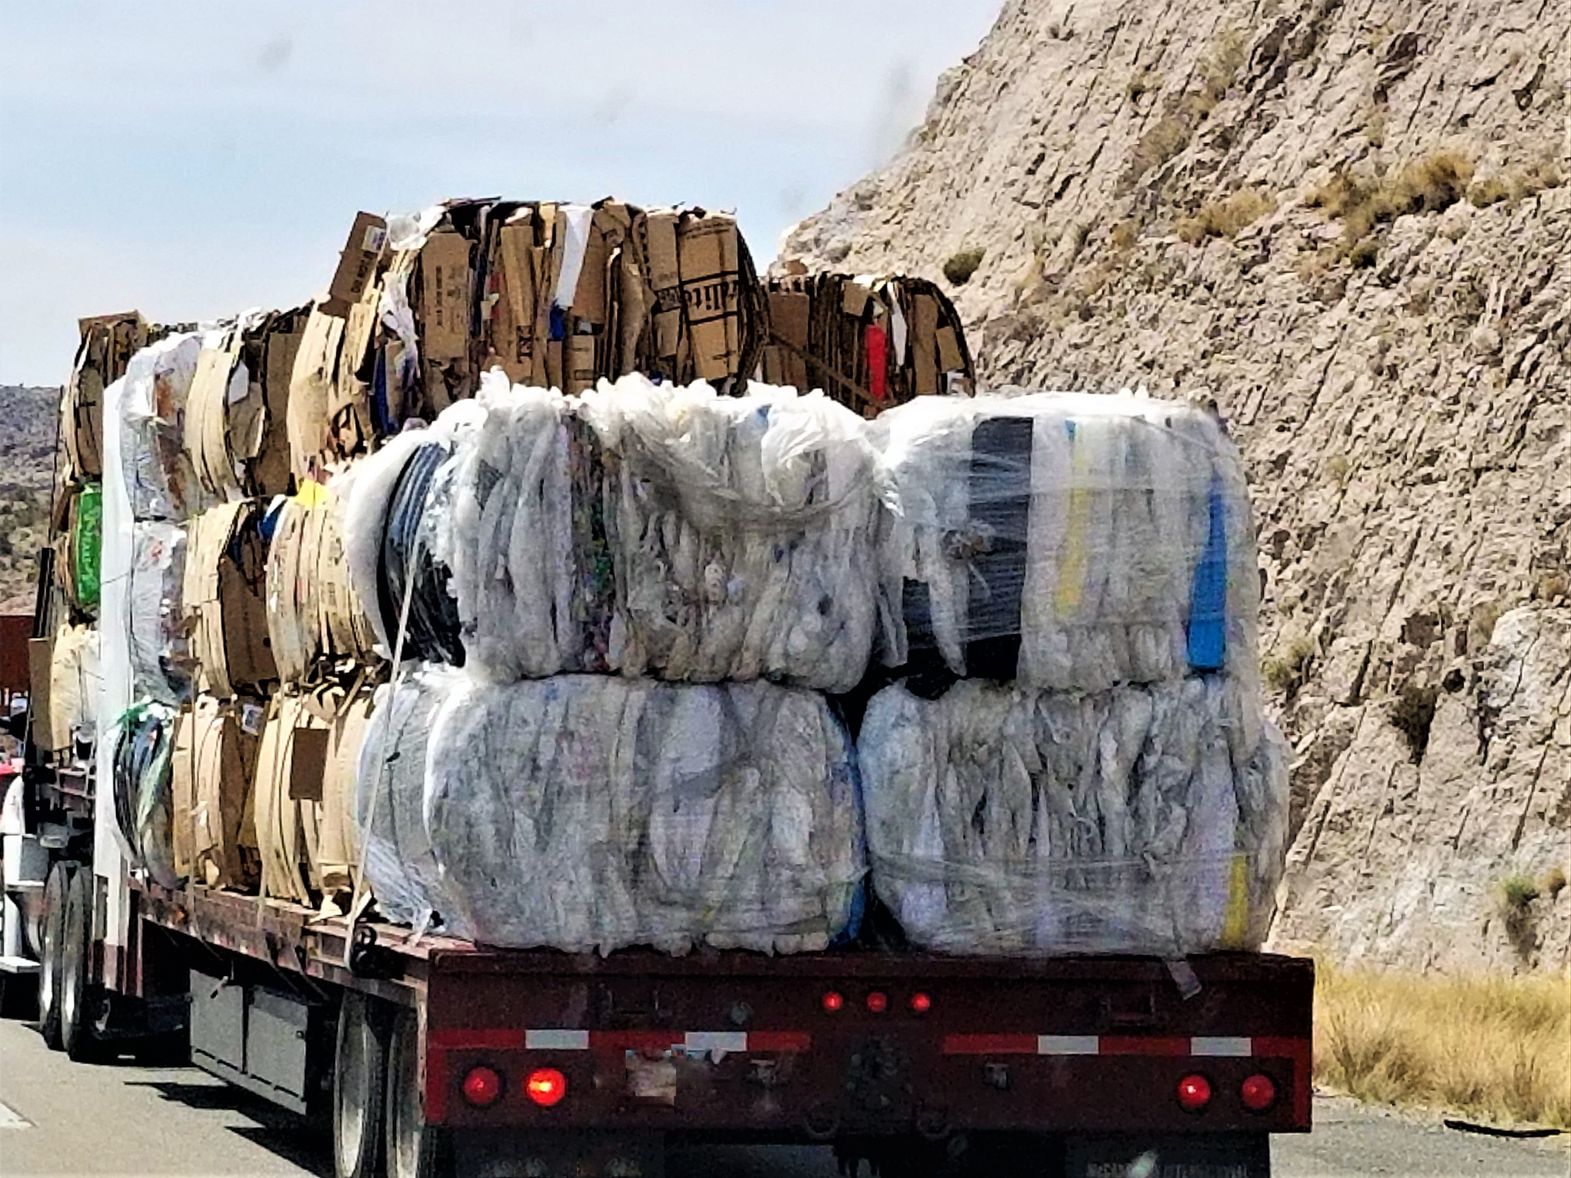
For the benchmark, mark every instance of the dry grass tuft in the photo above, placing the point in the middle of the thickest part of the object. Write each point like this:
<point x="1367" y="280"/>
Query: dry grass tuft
<point x="1496" y="1048"/>
<point x="1286" y="672"/>
<point x="1170" y="134"/>
<point x="961" y="265"/>
<point x="1427" y="185"/>
<point x="1228" y="217"/>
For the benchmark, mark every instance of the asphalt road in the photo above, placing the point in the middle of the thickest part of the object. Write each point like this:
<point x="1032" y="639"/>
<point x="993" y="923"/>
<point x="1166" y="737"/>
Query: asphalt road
<point x="69" y="1119"/>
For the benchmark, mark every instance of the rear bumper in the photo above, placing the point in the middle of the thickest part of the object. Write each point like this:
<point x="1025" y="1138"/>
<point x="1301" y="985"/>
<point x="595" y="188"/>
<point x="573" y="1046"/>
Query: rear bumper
<point x="1086" y="1046"/>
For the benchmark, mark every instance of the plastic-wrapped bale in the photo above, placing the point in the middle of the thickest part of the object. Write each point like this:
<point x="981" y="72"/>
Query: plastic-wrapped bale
<point x="216" y="743"/>
<point x="395" y="849"/>
<point x="398" y="507"/>
<point x="160" y="654"/>
<point x="81" y="546"/>
<point x="155" y="465"/>
<point x="741" y="530"/>
<point x="143" y="794"/>
<point x="224" y="601"/>
<point x="313" y="616"/>
<point x="1138" y="820"/>
<point x="1065" y="541"/>
<point x="593" y="813"/>
<point x="670" y="532"/>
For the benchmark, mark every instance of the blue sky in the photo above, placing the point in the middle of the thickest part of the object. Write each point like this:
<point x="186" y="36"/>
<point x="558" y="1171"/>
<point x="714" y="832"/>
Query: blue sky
<point x="192" y="159"/>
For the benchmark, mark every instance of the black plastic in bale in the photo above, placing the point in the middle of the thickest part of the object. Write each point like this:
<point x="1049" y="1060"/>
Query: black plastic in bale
<point x="406" y="557"/>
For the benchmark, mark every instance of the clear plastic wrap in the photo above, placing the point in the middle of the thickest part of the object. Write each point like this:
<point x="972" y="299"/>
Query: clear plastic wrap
<point x="155" y="465"/>
<point x="1065" y="541"/>
<point x="667" y="531"/>
<point x="592" y="813"/>
<point x="389" y="801"/>
<point x="161" y="661"/>
<point x="143" y="795"/>
<point x="75" y="683"/>
<point x="1139" y="820"/>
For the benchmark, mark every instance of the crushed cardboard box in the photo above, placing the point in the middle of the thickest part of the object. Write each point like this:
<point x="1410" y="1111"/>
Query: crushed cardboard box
<point x="224" y="600"/>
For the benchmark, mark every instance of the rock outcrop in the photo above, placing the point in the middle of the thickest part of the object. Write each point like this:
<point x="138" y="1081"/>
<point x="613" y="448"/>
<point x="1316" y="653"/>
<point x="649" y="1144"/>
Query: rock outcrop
<point x="1350" y="224"/>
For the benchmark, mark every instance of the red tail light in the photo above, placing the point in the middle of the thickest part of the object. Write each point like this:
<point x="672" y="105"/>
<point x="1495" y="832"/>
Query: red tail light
<point x="833" y="1002"/>
<point x="546" y="1087"/>
<point x="482" y="1086"/>
<point x="1194" y="1093"/>
<point x="1258" y="1093"/>
<point x="921" y="1003"/>
<point x="878" y="1002"/>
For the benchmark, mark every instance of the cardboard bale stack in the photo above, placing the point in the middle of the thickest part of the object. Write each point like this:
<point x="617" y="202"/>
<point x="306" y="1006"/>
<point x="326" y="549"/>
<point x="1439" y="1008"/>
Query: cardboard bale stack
<point x="869" y="342"/>
<point x="558" y="295"/>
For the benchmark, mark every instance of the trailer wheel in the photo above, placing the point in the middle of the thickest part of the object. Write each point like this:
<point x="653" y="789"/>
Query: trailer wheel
<point x="52" y="937"/>
<point x="76" y="955"/>
<point x="414" y="1149"/>
<point x="359" y="1068"/>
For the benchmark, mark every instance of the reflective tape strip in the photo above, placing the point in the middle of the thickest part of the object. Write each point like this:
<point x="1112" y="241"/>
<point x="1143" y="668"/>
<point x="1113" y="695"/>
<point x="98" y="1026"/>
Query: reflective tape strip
<point x="1067" y="1045"/>
<point x="715" y="1041"/>
<point x="1220" y="1046"/>
<point x="556" y="1040"/>
<point x="990" y="1045"/>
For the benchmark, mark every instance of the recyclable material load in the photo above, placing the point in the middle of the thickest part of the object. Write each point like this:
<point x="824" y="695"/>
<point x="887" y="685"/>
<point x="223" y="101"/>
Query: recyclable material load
<point x="224" y="600"/>
<point x="1140" y="820"/>
<point x="390" y="787"/>
<point x="314" y="621"/>
<point x="143" y="793"/>
<point x="160" y="657"/>
<point x="592" y="812"/>
<point x="558" y="295"/>
<point x="666" y="531"/>
<point x="72" y="690"/>
<point x="236" y="423"/>
<point x="155" y="466"/>
<point x="1065" y="541"/>
<point x="304" y="789"/>
<point x="214" y="768"/>
<point x="869" y="342"/>
<point x="398" y="507"/>
<point x="107" y="344"/>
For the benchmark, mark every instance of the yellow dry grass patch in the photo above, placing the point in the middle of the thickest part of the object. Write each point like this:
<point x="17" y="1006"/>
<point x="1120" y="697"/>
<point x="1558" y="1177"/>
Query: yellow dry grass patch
<point x="1495" y="1048"/>
<point x="1227" y="217"/>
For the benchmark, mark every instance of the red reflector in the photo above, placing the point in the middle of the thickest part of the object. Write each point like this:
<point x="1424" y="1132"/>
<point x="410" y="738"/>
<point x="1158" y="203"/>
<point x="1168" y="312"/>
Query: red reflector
<point x="1258" y="1093"/>
<point x="878" y="1002"/>
<point x="546" y="1087"/>
<point x="1194" y="1093"/>
<point x="482" y="1087"/>
<point x="921" y="1003"/>
<point x="833" y="1001"/>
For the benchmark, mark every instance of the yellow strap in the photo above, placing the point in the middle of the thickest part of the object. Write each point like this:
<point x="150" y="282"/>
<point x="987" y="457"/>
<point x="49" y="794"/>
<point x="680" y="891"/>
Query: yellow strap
<point x="1235" y="928"/>
<point x="1072" y="568"/>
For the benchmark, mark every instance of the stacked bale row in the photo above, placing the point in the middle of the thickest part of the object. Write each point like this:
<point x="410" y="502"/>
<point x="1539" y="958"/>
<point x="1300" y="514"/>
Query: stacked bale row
<point x="1112" y="785"/>
<point x="637" y="573"/>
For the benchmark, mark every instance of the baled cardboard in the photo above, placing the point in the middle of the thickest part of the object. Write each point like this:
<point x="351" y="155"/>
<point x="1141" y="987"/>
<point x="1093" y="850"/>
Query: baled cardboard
<point x="311" y="389"/>
<point x="357" y="264"/>
<point x="445" y="278"/>
<point x="708" y="259"/>
<point x="224" y="601"/>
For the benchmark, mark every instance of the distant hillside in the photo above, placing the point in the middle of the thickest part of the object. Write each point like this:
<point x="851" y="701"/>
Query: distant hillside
<point x="27" y="444"/>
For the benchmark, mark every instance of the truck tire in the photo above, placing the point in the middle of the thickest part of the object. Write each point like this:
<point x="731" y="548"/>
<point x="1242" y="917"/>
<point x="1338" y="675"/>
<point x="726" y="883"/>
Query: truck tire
<point x="359" y="1086"/>
<point x="413" y="1148"/>
<point x="76" y="956"/>
<point x="52" y="937"/>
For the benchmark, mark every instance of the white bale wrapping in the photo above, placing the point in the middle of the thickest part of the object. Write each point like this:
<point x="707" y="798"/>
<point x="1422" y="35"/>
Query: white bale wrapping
<point x="1140" y="820"/>
<point x="1137" y="557"/>
<point x="592" y="813"/>
<point x="159" y="647"/>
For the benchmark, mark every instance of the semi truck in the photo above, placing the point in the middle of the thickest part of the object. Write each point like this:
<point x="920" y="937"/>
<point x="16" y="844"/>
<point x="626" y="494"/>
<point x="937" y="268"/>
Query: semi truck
<point x="432" y="1055"/>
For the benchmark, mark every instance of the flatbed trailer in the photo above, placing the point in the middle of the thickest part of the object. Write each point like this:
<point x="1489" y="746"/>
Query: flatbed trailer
<point x="541" y="1062"/>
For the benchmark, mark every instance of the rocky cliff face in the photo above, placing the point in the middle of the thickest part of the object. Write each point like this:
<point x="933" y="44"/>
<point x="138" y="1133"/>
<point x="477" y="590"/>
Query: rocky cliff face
<point x="1350" y="223"/>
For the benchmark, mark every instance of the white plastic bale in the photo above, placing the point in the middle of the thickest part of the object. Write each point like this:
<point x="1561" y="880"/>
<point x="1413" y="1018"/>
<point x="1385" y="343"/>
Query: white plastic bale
<point x="159" y="479"/>
<point x="741" y="531"/>
<point x="389" y="794"/>
<point x="160" y="659"/>
<point x="593" y="813"/>
<point x="1114" y="501"/>
<point x="1004" y="820"/>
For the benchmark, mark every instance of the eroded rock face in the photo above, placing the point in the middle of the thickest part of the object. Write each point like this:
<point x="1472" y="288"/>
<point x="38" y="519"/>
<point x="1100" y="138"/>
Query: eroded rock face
<point x="1351" y="225"/>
